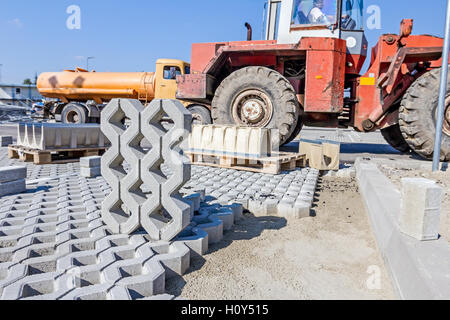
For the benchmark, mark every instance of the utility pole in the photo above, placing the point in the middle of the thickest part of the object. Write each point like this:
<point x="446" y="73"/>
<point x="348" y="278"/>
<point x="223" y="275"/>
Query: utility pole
<point x="87" y="62"/>
<point x="442" y="93"/>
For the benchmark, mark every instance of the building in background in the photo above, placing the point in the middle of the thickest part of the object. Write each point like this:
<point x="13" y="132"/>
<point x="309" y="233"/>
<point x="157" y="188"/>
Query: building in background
<point x="19" y="95"/>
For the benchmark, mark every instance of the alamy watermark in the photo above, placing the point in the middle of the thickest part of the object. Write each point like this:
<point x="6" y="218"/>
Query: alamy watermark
<point x="374" y="17"/>
<point x="374" y="280"/>
<point x="73" y="22"/>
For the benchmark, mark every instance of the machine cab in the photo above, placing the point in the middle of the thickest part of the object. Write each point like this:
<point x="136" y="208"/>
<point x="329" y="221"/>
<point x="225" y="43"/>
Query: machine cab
<point x="288" y="21"/>
<point x="167" y="71"/>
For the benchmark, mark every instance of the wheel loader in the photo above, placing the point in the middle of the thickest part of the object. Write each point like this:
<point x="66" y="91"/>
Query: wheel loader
<point x="307" y="71"/>
<point x="78" y="96"/>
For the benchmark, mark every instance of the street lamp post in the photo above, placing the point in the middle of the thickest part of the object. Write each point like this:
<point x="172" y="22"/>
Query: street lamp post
<point x="442" y="93"/>
<point x="87" y="62"/>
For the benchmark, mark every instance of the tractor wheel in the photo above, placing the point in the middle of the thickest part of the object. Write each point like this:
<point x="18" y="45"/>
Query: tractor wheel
<point x="418" y="114"/>
<point x="74" y="114"/>
<point x="258" y="97"/>
<point x="394" y="137"/>
<point x="200" y="114"/>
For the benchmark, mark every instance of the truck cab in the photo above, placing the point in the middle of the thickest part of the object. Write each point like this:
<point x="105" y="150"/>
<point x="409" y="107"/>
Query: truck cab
<point x="167" y="71"/>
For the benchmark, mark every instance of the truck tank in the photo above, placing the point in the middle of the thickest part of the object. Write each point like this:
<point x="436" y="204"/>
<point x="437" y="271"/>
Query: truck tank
<point x="80" y="85"/>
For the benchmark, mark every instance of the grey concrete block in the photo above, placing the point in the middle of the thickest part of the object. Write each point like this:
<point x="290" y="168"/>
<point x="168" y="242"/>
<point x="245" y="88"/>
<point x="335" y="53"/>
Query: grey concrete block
<point x="5" y="141"/>
<point x="13" y="187"/>
<point x="211" y="225"/>
<point x="196" y="239"/>
<point x="196" y="200"/>
<point x="420" y="208"/>
<point x="90" y="172"/>
<point x="13" y="173"/>
<point x="89" y="162"/>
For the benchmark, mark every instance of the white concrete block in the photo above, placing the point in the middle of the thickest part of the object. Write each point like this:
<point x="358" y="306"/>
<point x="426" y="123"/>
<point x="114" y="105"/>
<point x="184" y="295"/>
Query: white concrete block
<point x="420" y="208"/>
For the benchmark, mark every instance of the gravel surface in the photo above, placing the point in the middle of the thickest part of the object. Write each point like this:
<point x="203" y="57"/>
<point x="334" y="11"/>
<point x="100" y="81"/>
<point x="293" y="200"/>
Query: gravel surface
<point x="441" y="177"/>
<point x="321" y="257"/>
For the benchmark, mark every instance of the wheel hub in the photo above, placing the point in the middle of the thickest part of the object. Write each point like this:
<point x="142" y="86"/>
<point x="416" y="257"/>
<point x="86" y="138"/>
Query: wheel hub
<point x="252" y="108"/>
<point x="73" y="117"/>
<point x="253" y="111"/>
<point x="446" y="127"/>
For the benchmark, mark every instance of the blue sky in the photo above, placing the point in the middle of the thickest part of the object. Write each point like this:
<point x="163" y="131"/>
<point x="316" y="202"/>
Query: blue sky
<point x="131" y="35"/>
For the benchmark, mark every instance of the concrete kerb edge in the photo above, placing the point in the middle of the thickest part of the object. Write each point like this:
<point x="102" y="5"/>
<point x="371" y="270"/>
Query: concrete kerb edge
<point x="418" y="269"/>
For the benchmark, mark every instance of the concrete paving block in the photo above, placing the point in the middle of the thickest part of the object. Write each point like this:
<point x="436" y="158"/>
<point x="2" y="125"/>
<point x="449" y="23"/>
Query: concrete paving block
<point x="237" y="209"/>
<point x="302" y="210"/>
<point x="420" y="208"/>
<point x="270" y="207"/>
<point x="227" y="217"/>
<point x="169" y="141"/>
<point x="91" y="172"/>
<point x="143" y="280"/>
<point x="10" y="273"/>
<point x="5" y="141"/>
<point x="174" y="257"/>
<point x="130" y="192"/>
<point x="40" y="286"/>
<point x="97" y="293"/>
<point x="255" y="207"/>
<point x="196" y="200"/>
<point x="13" y="173"/>
<point x="211" y="225"/>
<point x="112" y="127"/>
<point x="196" y="239"/>
<point x="90" y="162"/>
<point x="12" y="187"/>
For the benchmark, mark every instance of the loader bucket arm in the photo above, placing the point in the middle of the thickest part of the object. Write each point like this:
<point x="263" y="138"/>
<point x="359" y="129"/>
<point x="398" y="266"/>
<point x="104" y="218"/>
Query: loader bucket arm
<point x="405" y="56"/>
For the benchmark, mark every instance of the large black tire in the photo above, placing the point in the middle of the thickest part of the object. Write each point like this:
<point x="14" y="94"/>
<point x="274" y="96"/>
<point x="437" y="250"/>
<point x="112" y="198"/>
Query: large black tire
<point x="394" y="137"/>
<point x="281" y="107"/>
<point x="200" y="114"/>
<point x="418" y="113"/>
<point x="74" y="114"/>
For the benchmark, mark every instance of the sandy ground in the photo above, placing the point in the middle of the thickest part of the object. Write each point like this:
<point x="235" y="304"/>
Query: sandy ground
<point x="441" y="177"/>
<point x="321" y="257"/>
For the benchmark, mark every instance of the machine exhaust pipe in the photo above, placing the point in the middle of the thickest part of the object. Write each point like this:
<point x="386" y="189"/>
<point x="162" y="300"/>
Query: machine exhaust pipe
<point x="249" y="31"/>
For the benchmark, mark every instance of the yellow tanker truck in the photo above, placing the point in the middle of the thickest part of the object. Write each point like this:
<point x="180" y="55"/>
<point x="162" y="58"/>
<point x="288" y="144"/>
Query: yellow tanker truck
<point x="78" y="96"/>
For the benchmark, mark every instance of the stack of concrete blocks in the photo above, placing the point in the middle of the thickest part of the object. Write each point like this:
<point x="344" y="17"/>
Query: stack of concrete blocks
<point x="230" y="140"/>
<point x="48" y="136"/>
<point x="12" y="180"/>
<point x="321" y="154"/>
<point x="5" y="141"/>
<point x="420" y="208"/>
<point x="161" y="211"/>
<point x="90" y="167"/>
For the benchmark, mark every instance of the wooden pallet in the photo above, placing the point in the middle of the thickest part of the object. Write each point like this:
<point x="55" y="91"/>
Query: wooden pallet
<point x="271" y="165"/>
<point x="54" y="156"/>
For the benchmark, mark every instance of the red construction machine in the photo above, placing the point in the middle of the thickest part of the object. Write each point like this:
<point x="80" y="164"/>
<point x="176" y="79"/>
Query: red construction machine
<point x="307" y="72"/>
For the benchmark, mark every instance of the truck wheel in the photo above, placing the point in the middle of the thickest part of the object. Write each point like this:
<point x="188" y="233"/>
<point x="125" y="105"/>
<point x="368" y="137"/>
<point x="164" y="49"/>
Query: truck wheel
<point x="257" y="97"/>
<point x="200" y="114"/>
<point x="394" y="137"/>
<point x="418" y="114"/>
<point x="74" y="114"/>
